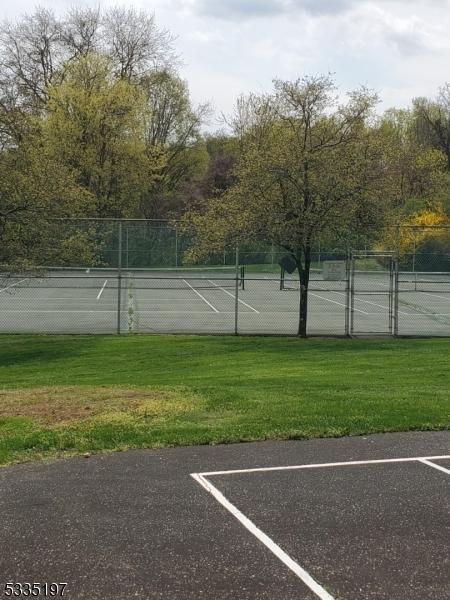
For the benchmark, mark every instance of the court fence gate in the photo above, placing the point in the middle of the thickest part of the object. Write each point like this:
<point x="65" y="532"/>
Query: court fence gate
<point x="384" y="286"/>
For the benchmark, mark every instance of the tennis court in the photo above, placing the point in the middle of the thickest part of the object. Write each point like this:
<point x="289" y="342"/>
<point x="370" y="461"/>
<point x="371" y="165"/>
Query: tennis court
<point x="214" y="300"/>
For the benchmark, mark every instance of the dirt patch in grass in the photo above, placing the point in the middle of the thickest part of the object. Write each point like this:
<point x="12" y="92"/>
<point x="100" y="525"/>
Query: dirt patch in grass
<point x="57" y="405"/>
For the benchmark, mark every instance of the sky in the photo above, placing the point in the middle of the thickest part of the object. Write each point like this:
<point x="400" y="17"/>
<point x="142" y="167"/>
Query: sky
<point x="399" y="48"/>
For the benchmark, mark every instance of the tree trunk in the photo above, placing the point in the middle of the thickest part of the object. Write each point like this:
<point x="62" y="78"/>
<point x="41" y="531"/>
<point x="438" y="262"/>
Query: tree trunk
<point x="304" y="270"/>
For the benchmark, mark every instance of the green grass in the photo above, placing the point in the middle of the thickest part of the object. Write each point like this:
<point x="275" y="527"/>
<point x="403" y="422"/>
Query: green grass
<point x="65" y="395"/>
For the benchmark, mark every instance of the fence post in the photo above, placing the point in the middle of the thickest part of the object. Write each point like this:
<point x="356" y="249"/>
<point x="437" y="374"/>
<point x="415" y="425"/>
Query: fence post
<point x="352" y="294"/>
<point x="396" y="292"/>
<point x="176" y="245"/>
<point x="236" y="292"/>
<point x="347" y="296"/>
<point x="391" y="302"/>
<point x="119" y="278"/>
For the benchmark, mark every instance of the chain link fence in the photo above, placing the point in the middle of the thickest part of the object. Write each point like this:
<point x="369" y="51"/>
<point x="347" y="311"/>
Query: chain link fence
<point x="130" y="276"/>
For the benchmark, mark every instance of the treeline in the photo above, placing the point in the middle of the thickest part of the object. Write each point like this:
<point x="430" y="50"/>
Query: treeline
<point x="95" y="121"/>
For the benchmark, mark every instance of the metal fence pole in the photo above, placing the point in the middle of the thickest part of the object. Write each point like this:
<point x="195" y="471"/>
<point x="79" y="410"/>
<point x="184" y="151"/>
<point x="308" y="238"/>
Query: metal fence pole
<point x="396" y="292"/>
<point x="391" y="295"/>
<point x="347" y="297"/>
<point x="119" y="278"/>
<point x="352" y="295"/>
<point x="176" y="245"/>
<point x="236" y="293"/>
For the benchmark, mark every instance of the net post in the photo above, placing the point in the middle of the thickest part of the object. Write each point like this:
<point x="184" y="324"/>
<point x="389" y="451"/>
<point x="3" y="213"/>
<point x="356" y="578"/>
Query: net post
<point x="236" y="293"/>
<point x="119" y="278"/>
<point x="282" y="279"/>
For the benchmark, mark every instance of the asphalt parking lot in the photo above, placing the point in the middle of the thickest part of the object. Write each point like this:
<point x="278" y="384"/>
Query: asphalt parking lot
<point x="308" y="519"/>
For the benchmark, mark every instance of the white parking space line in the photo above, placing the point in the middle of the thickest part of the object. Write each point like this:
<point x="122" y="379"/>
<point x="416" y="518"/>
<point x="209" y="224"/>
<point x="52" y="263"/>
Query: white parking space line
<point x="201" y="478"/>
<point x="234" y="297"/>
<point x="13" y="284"/>
<point x="336" y="302"/>
<point x="265" y="539"/>
<point x="434" y="465"/>
<point x="349" y="463"/>
<point x="200" y="296"/>
<point x="101" y="291"/>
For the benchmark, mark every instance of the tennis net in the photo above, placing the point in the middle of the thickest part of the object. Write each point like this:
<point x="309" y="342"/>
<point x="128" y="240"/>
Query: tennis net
<point x="155" y="278"/>
<point x="408" y="281"/>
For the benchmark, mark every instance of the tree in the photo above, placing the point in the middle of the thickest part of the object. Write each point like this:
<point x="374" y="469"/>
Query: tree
<point x="174" y="125"/>
<point x="135" y="43"/>
<point x="433" y="121"/>
<point x="30" y="54"/>
<point x="34" y="188"/>
<point x="416" y="170"/>
<point x="421" y="239"/>
<point x="308" y="167"/>
<point x="35" y="48"/>
<point x="80" y="31"/>
<point x="96" y="126"/>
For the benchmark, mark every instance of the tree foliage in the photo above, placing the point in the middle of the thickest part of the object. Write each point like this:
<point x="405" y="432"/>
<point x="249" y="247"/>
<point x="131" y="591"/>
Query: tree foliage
<point x="96" y="124"/>
<point x="308" y="167"/>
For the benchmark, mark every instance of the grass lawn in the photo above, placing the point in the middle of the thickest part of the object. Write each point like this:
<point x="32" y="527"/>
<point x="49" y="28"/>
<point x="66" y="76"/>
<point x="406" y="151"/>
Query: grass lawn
<point x="77" y="394"/>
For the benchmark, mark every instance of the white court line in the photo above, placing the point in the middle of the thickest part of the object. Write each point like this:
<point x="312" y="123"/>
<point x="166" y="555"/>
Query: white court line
<point x="55" y="311"/>
<point x="202" y="297"/>
<point x="265" y="539"/>
<point x="417" y="291"/>
<point x="184" y="312"/>
<point x="336" y="302"/>
<point x="38" y="299"/>
<point x="13" y="284"/>
<point x="433" y="295"/>
<point x="101" y="291"/>
<point x="369" y="302"/>
<point x="233" y="296"/>
<point x="435" y="466"/>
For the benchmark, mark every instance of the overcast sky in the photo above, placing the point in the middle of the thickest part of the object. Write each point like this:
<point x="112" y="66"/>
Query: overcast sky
<point x="401" y="48"/>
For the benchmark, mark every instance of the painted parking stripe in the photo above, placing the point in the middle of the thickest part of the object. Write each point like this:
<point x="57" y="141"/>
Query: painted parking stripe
<point x="265" y="539"/>
<point x="434" y="465"/>
<point x="349" y="463"/>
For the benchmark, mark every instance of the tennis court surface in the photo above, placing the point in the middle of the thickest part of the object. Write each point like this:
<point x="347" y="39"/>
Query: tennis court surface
<point x="364" y="517"/>
<point x="216" y="300"/>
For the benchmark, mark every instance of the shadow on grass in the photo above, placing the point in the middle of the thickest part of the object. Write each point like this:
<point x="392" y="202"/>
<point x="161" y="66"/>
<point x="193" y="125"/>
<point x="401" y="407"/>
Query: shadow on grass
<point x="20" y="350"/>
